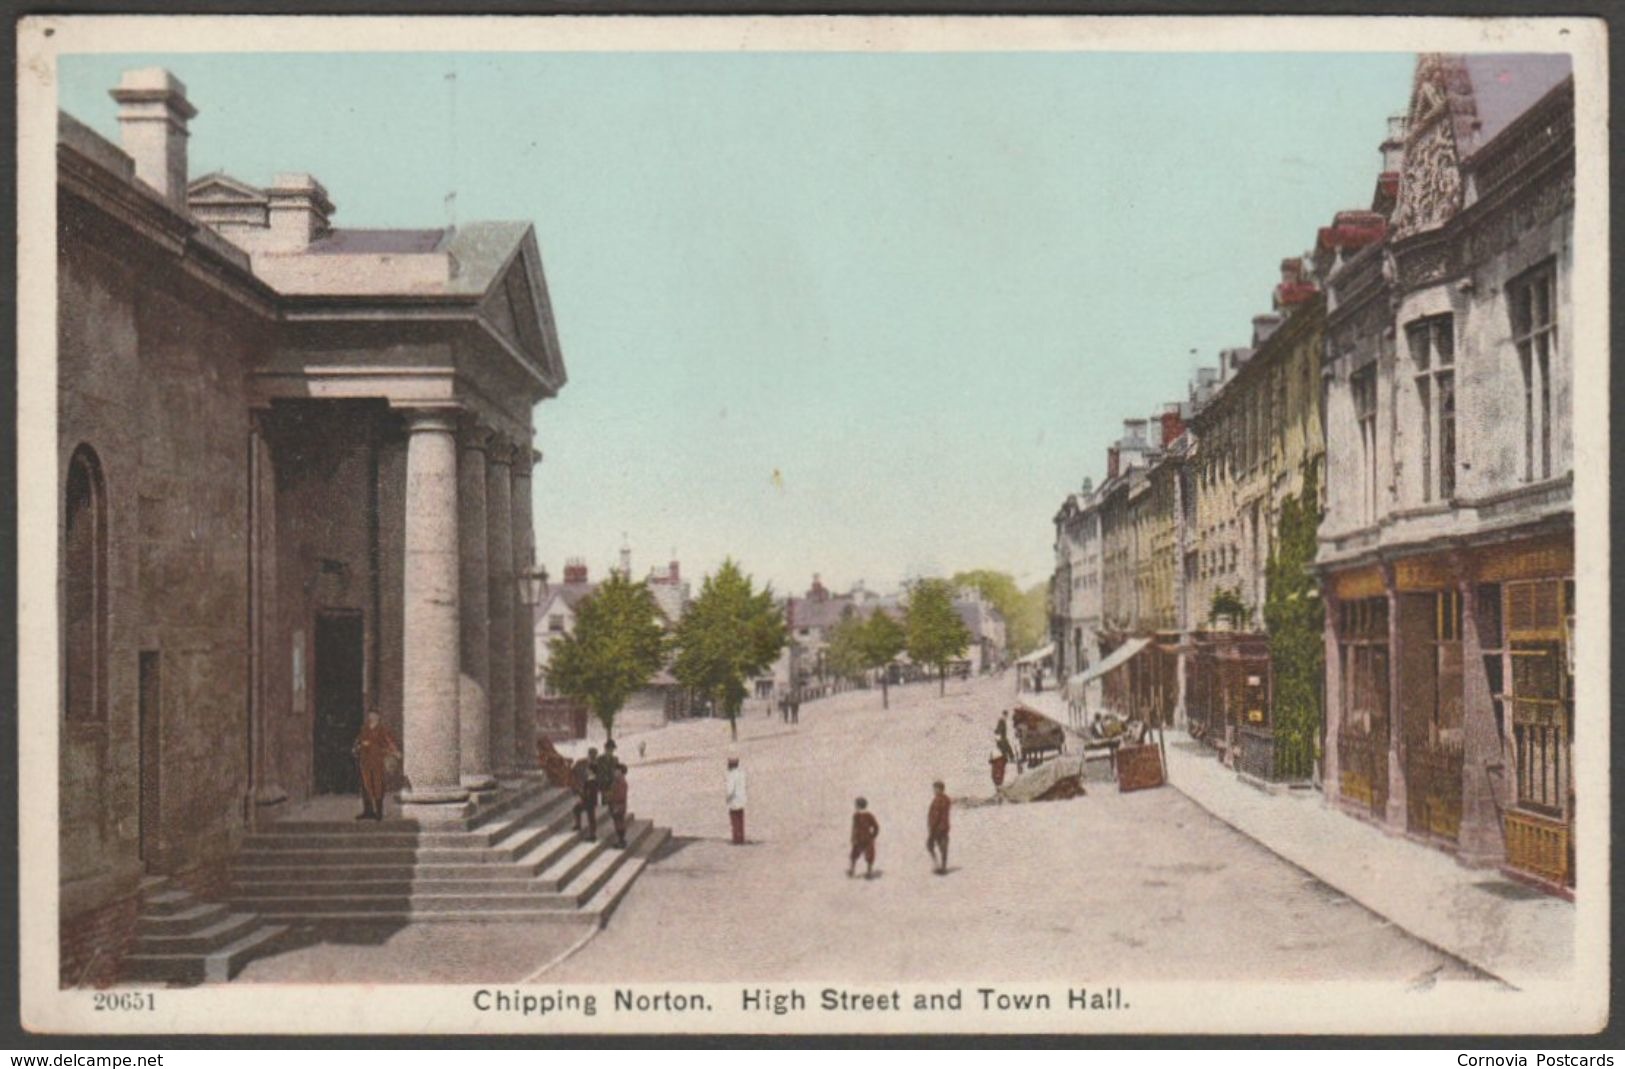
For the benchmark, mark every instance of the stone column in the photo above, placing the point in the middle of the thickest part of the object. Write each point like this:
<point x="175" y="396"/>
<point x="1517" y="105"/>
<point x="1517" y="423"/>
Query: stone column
<point x="1480" y="842"/>
<point x="524" y="630"/>
<point x="473" y="702"/>
<point x="1396" y="814"/>
<point x="431" y="640"/>
<point x="502" y="595"/>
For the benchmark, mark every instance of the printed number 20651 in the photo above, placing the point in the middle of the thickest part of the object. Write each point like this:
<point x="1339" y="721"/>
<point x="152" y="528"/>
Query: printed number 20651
<point x="126" y="1000"/>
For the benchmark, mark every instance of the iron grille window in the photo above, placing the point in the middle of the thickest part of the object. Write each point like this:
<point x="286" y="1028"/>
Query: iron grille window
<point x="1533" y="306"/>
<point x="1542" y="693"/>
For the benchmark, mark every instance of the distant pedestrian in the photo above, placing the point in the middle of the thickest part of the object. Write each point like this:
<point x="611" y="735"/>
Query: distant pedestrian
<point x="374" y="750"/>
<point x="616" y="800"/>
<point x="865" y="830"/>
<point x="795" y="709"/>
<point x="586" y="786"/>
<point x="735" y="783"/>
<point x="1001" y="736"/>
<point x="936" y="825"/>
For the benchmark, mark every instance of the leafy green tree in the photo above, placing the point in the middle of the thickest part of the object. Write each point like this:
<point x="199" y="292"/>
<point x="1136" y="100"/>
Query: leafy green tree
<point x="936" y="634"/>
<point x="1295" y="621"/>
<point x="845" y="654"/>
<point x="1023" y="610"/>
<point x="730" y="633"/>
<point x="617" y="646"/>
<point x="883" y="639"/>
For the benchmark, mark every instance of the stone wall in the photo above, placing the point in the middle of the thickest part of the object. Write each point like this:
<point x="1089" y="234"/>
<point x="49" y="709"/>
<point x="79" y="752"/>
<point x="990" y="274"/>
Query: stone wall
<point x="151" y="377"/>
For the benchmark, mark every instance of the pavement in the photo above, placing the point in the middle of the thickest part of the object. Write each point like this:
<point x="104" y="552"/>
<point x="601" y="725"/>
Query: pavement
<point x="1516" y="934"/>
<point x="1139" y="886"/>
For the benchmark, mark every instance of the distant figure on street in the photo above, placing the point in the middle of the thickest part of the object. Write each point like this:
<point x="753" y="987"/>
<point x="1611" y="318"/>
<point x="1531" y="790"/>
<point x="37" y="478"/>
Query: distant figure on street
<point x="865" y="830"/>
<point x="736" y="800"/>
<point x="373" y="749"/>
<point x="586" y="785"/>
<point x="1001" y="736"/>
<point x="1038" y="679"/>
<point x="795" y="708"/>
<point x="641" y="746"/>
<point x="616" y="800"/>
<point x="936" y="824"/>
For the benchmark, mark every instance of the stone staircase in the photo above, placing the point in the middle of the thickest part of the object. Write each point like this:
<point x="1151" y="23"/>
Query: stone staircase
<point x="181" y="940"/>
<point x="516" y="857"/>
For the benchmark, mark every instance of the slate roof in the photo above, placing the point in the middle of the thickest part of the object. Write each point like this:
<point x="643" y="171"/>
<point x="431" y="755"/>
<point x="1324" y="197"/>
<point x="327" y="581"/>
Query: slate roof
<point x="342" y="242"/>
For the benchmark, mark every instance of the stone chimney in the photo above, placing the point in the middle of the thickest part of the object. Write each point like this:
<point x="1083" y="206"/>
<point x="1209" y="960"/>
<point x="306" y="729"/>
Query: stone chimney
<point x="575" y="570"/>
<point x="676" y="572"/>
<point x="1134" y="432"/>
<point x="1173" y="423"/>
<point x="299" y="212"/>
<point x="1113" y="460"/>
<point x="152" y="116"/>
<point x="1263" y="326"/>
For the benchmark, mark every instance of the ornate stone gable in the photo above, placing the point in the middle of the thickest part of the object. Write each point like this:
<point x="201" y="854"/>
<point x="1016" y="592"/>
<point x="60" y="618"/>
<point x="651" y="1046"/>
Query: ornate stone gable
<point x="1440" y="120"/>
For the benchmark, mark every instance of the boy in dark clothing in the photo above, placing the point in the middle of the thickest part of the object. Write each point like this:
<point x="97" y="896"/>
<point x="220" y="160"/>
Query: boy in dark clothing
<point x="583" y="775"/>
<point x="616" y="799"/>
<point x="865" y="830"/>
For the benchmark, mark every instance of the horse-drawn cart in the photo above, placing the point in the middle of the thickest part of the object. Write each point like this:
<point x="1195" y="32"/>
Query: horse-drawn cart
<point x="1038" y="737"/>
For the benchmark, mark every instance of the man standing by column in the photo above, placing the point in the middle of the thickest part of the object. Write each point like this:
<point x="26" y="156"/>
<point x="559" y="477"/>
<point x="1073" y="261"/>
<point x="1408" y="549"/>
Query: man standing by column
<point x="736" y="800"/>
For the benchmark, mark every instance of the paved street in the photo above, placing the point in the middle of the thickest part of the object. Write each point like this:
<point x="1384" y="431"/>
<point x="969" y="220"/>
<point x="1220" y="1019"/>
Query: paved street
<point x="1136" y="886"/>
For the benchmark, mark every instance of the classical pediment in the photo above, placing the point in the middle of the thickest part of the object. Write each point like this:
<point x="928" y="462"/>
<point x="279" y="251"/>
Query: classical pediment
<point x="221" y="188"/>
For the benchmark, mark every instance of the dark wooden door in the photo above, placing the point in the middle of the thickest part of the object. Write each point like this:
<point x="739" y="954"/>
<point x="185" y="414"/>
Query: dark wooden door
<point x="340" y="662"/>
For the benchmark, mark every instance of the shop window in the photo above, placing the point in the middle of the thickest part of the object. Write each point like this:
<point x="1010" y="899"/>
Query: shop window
<point x="84" y="601"/>
<point x="1533" y="306"/>
<point x="1541" y="693"/>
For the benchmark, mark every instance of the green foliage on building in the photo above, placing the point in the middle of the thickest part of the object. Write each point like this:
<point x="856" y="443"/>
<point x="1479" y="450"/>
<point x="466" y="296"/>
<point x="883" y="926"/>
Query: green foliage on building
<point x="617" y="646"/>
<point x="729" y="634"/>
<point x="1227" y="605"/>
<point x="1295" y="621"/>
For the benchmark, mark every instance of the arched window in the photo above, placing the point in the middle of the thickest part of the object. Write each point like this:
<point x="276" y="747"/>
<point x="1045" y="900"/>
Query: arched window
<point x="84" y="589"/>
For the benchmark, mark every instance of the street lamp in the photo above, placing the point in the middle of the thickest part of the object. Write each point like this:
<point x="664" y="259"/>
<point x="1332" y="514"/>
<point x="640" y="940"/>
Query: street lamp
<point x="533" y="587"/>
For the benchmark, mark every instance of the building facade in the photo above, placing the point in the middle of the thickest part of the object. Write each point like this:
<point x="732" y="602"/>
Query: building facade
<point x="295" y="484"/>
<point x="1446" y="551"/>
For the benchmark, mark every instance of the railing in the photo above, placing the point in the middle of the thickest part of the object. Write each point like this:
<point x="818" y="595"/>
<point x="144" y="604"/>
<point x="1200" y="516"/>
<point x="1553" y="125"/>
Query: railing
<point x="1273" y="758"/>
<point x="1539" y="846"/>
<point x="1433" y="789"/>
<point x="1363" y="765"/>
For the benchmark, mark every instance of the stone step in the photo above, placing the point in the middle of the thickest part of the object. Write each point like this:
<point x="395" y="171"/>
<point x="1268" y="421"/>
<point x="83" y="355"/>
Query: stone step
<point x="364" y="848"/>
<point x="591" y="879"/>
<point x="199" y="916"/>
<point x="216" y="966"/>
<point x="392" y="906"/>
<point x="483" y="814"/>
<point x="609" y="897"/>
<point x="166" y="902"/>
<point x="202" y="941"/>
<point x="406" y="884"/>
<point x="399" y="834"/>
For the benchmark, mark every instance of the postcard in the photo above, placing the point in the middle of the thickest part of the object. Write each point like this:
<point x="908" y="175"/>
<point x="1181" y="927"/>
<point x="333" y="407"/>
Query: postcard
<point x="564" y="525"/>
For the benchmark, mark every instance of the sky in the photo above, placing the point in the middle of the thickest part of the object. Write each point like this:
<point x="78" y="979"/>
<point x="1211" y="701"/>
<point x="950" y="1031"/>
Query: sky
<point x="862" y="315"/>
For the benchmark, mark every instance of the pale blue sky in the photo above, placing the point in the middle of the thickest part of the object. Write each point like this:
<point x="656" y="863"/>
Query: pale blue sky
<point x="926" y="289"/>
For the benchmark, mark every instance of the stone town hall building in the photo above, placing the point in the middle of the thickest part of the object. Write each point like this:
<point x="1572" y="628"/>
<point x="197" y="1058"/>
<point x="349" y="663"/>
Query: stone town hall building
<point x="294" y="465"/>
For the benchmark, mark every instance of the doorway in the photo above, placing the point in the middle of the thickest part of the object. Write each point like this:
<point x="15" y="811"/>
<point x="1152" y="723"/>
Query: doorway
<point x="149" y="735"/>
<point x="340" y="662"/>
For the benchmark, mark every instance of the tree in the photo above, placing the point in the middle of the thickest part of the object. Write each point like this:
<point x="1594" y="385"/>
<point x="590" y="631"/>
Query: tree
<point x="731" y="632"/>
<point x="845" y="653"/>
<point x="617" y="646"/>
<point x="936" y="634"/>
<point x="1024" y="614"/>
<point x="1295" y="621"/>
<point x="883" y="638"/>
